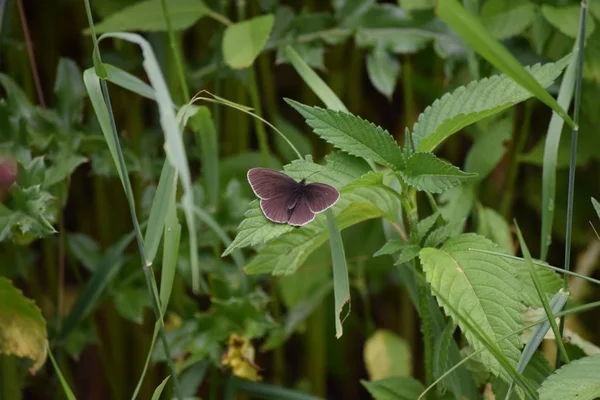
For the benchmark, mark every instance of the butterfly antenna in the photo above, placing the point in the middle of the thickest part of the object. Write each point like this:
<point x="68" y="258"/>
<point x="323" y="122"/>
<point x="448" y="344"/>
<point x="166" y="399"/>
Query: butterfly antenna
<point x="316" y="172"/>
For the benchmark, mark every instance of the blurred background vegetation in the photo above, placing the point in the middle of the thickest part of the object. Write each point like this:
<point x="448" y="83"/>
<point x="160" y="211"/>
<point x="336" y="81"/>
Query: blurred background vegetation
<point x="387" y="61"/>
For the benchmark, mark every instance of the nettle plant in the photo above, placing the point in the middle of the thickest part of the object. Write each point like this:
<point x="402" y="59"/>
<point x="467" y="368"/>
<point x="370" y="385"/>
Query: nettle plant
<point x="454" y="278"/>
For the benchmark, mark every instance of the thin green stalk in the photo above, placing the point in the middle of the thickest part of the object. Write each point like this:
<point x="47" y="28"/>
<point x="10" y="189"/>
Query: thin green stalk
<point x="263" y="143"/>
<point x="573" y="160"/>
<point x="176" y="53"/>
<point x="132" y="210"/>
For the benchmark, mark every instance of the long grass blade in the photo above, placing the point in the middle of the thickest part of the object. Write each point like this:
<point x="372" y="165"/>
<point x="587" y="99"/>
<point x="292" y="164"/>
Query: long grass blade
<point x="61" y="378"/>
<point x="341" y="284"/>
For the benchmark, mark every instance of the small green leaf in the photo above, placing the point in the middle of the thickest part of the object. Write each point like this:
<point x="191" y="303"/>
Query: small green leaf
<point x="425" y="225"/>
<point x="62" y="169"/>
<point x="596" y="206"/>
<point x="159" y="389"/>
<point x="489" y="148"/>
<point x="566" y="19"/>
<point x="481" y="288"/>
<point x="394" y="40"/>
<point x="206" y="136"/>
<point x="394" y="388"/>
<point x="351" y="11"/>
<point x="577" y="380"/>
<point x="131" y="303"/>
<point x="69" y="90"/>
<point x="243" y="41"/>
<point x="407" y="254"/>
<point x="507" y="18"/>
<point x="22" y="326"/>
<point x="456" y="203"/>
<point x="147" y="16"/>
<point x="480" y="99"/>
<point x="493" y="226"/>
<point x="475" y="34"/>
<point x="450" y="230"/>
<point x="390" y="247"/>
<point x="426" y="172"/>
<point x="352" y="134"/>
<point x="387" y="354"/>
<point x="383" y="70"/>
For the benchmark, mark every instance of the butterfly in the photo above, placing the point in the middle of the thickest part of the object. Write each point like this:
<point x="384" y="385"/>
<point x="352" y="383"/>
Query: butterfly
<point x="284" y="200"/>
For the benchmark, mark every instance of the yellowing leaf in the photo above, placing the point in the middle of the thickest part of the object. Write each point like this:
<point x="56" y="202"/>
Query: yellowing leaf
<point x="22" y="327"/>
<point x="386" y="354"/>
<point x="242" y="42"/>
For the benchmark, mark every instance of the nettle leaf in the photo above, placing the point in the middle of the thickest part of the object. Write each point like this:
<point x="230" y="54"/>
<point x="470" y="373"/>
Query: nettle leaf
<point x="426" y="172"/>
<point x="383" y="69"/>
<point x="507" y="18"/>
<point x="481" y="288"/>
<point x="352" y="134"/>
<point x="31" y="216"/>
<point x="243" y="41"/>
<point x="394" y="388"/>
<point x="22" y="326"/>
<point x="442" y="233"/>
<point x="147" y="16"/>
<point x="287" y="253"/>
<point x="576" y="380"/>
<point x="390" y="247"/>
<point x="339" y="171"/>
<point x="478" y="100"/>
<point x="408" y="253"/>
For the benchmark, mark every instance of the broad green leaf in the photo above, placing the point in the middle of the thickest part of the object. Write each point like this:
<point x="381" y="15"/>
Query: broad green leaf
<point x="352" y="134"/>
<point x="394" y="388"/>
<point x="489" y="148"/>
<point x="147" y="16"/>
<point x="480" y="99"/>
<point x="314" y="81"/>
<point x="243" y="41"/>
<point x="426" y="172"/>
<point x="256" y="228"/>
<point x="383" y="70"/>
<point x="456" y="203"/>
<point x="439" y="235"/>
<point x="22" y="326"/>
<point x="341" y="284"/>
<point x="507" y="18"/>
<point x="577" y="380"/>
<point x="386" y="354"/>
<point x="566" y="19"/>
<point x="493" y="226"/>
<point x="550" y="283"/>
<point x="481" y="288"/>
<point x="288" y="252"/>
<point x="159" y="389"/>
<point x="474" y="33"/>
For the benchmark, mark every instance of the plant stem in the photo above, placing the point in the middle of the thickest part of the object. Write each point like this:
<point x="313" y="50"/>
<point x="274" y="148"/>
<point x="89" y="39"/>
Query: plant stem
<point x="31" y="55"/>
<point x="263" y="143"/>
<point x="573" y="160"/>
<point x="176" y="54"/>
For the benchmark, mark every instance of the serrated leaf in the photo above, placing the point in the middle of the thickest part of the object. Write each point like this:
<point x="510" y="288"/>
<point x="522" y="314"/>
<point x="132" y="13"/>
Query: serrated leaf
<point x="383" y="70"/>
<point x="507" y="18"/>
<point x="442" y="233"/>
<point x="481" y="288"/>
<point x="22" y="326"/>
<point x="394" y="388"/>
<point x="243" y="41"/>
<point x="480" y="99"/>
<point x="407" y="254"/>
<point x="566" y="20"/>
<point x="147" y="16"/>
<point x="256" y="228"/>
<point x="352" y="134"/>
<point x="31" y="217"/>
<point x="426" y="172"/>
<point x="577" y="380"/>
<point x="387" y="354"/>
<point x="550" y="283"/>
<point x="288" y="252"/>
<point x="131" y="303"/>
<point x="425" y="225"/>
<point x="390" y="247"/>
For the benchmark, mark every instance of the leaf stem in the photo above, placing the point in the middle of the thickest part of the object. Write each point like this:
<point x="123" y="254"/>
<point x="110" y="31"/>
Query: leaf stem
<point x="176" y="53"/>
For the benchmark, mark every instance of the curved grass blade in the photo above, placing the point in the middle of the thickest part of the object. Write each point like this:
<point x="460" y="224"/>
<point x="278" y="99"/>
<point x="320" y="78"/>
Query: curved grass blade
<point x="341" y="285"/>
<point x="61" y="378"/>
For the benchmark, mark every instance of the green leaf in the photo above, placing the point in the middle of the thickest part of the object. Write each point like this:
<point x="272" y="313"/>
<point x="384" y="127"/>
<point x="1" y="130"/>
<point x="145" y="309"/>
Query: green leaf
<point x="450" y="230"/>
<point x="62" y="169"/>
<point x="383" y="70"/>
<point x="550" y="281"/>
<point x="386" y="354"/>
<point x="474" y="33"/>
<point x="411" y="5"/>
<point x="457" y="202"/>
<point x="352" y="134"/>
<point x="426" y="172"/>
<point x="159" y="389"/>
<point x="407" y="254"/>
<point x="480" y="99"/>
<point x="489" y="148"/>
<point x="507" y="18"/>
<point x="31" y="217"/>
<point x="425" y="225"/>
<point x="577" y="380"/>
<point x="341" y="284"/>
<point x="481" y="288"/>
<point x="566" y="20"/>
<point x="131" y="303"/>
<point x="128" y="81"/>
<point x="390" y="247"/>
<point x="312" y="53"/>
<point x="351" y="11"/>
<point x="147" y="16"/>
<point x="69" y="91"/>
<point x="314" y="81"/>
<point x="394" y="388"/>
<point x="243" y="41"/>
<point x="85" y="249"/>
<point x="22" y="326"/>
<point x="288" y="252"/>
<point x="206" y="136"/>
<point x="596" y="206"/>
<point x="493" y="226"/>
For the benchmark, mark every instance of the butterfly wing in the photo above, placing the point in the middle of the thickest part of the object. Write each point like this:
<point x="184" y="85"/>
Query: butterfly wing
<point x="276" y="209"/>
<point x="267" y="183"/>
<point x="301" y="214"/>
<point x="320" y="196"/>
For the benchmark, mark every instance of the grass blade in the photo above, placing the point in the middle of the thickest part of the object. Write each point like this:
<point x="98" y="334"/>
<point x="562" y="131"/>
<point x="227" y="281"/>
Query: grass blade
<point x="341" y="285"/>
<point x="61" y="378"/>
<point x="206" y="137"/>
<point x="472" y="31"/>
<point x="159" y="389"/>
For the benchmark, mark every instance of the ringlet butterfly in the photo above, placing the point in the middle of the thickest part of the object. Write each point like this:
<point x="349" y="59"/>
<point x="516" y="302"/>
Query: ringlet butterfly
<point x="284" y="200"/>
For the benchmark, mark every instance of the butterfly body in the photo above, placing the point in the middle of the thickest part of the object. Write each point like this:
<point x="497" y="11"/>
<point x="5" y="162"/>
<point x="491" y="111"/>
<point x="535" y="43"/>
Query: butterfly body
<point x="284" y="200"/>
